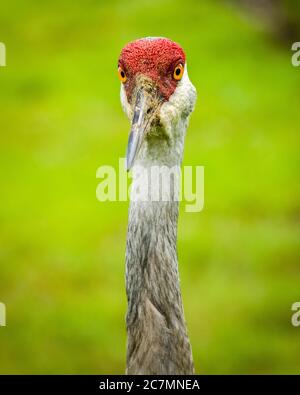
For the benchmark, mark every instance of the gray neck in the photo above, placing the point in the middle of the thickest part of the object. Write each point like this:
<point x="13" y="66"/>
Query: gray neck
<point x="157" y="336"/>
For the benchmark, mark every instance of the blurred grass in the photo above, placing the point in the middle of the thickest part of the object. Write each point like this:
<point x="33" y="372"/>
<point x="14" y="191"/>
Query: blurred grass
<point x="62" y="251"/>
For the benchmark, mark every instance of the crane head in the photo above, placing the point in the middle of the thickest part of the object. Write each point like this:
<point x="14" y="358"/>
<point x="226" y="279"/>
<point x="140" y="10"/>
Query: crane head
<point x="155" y="88"/>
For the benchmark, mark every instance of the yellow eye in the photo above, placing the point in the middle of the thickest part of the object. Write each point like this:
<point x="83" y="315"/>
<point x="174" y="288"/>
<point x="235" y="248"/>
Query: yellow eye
<point x="121" y="74"/>
<point x="178" y="72"/>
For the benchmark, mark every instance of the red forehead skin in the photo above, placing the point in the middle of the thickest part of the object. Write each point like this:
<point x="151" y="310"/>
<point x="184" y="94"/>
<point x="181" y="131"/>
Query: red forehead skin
<point x="155" y="58"/>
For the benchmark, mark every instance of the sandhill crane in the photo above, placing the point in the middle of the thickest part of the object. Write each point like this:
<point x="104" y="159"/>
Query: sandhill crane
<point x="158" y="97"/>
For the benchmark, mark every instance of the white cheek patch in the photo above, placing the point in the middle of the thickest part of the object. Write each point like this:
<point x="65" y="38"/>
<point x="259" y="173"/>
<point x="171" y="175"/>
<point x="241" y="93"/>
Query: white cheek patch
<point x="180" y="104"/>
<point x="124" y="102"/>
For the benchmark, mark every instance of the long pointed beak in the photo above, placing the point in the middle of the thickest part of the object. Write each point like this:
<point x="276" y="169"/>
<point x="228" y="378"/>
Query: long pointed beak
<point x="145" y="106"/>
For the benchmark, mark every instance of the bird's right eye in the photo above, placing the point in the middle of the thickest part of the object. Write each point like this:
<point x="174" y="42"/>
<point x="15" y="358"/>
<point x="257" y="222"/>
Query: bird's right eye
<point x="178" y="72"/>
<point x="121" y="74"/>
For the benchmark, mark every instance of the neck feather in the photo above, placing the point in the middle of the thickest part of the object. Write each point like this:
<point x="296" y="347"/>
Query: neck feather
<point x="157" y="336"/>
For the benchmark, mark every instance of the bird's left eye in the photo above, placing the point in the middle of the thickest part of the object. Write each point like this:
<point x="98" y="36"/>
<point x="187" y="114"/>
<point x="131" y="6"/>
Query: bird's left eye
<point x="121" y="74"/>
<point x="178" y="72"/>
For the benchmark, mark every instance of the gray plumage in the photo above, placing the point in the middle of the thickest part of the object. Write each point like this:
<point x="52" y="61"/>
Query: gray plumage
<point x="157" y="336"/>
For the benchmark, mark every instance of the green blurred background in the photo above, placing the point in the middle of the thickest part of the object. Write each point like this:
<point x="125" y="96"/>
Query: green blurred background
<point x="62" y="251"/>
